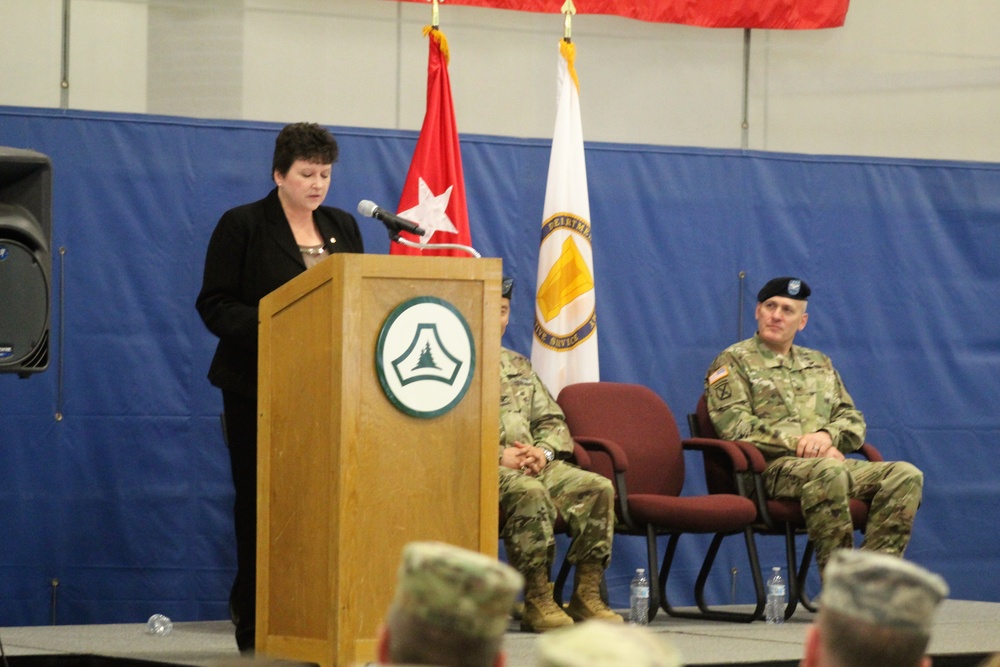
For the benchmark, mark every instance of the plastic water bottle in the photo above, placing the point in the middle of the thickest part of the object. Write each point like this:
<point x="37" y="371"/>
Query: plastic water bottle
<point x="159" y="624"/>
<point x="639" y="596"/>
<point x="774" y="611"/>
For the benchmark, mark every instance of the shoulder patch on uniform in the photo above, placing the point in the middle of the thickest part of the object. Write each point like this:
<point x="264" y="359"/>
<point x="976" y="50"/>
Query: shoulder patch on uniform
<point x="721" y="372"/>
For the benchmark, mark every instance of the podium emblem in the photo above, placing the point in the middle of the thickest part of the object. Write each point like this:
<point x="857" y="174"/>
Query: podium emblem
<point x="425" y="357"/>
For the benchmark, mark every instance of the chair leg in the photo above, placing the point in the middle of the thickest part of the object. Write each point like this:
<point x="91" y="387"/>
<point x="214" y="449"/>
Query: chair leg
<point x="653" y="575"/>
<point x="706" y="566"/>
<point x="794" y="591"/>
<point x="707" y="612"/>
<point x="760" y="589"/>
<point x="661" y="582"/>
<point x="801" y="576"/>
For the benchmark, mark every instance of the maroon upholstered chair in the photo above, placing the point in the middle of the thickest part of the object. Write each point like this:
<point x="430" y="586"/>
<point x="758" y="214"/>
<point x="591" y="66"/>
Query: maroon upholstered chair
<point x="780" y="516"/>
<point x="632" y="439"/>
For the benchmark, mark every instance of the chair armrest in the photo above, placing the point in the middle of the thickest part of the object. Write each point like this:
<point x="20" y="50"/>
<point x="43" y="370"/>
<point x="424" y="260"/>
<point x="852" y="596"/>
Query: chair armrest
<point x="619" y="461"/>
<point x="755" y="461"/>
<point x="754" y="456"/>
<point x="580" y="456"/>
<point x="619" y="464"/>
<point x="869" y="452"/>
<point x="746" y="478"/>
<point x="738" y="460"/>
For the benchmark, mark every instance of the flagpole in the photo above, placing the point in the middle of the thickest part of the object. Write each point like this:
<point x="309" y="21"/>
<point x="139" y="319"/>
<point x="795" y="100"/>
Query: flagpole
<point x="435" y="14"/>
<point x="568" y="9"/>
<point x="745" y="125"/>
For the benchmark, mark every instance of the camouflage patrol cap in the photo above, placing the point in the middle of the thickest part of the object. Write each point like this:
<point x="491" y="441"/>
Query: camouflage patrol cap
<point x="599" y="643"/>
<point x="881" y="589"/>
<point x="786" y="286"/>
<point x="457" y="589"/>
<point x="506" y="287"/>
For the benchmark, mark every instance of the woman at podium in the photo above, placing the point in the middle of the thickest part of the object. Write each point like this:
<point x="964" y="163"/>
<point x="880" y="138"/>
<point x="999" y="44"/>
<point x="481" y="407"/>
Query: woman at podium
<point x="255" y="249"/>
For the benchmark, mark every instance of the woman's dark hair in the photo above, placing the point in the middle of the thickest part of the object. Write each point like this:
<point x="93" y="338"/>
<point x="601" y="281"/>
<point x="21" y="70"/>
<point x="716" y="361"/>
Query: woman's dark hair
<point x="303" y="141"/>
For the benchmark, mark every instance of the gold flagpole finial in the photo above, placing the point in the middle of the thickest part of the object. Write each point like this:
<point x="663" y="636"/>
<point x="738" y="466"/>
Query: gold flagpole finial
<point x="435" y="14"/>
<point x="568" y="9"/>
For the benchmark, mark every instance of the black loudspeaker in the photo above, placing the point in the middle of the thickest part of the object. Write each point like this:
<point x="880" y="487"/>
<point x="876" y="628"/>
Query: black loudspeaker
<point x="25" y="260"/>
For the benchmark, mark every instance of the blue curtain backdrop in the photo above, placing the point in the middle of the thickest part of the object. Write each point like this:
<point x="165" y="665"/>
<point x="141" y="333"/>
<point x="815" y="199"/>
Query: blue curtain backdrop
<point x="126" y="500"/>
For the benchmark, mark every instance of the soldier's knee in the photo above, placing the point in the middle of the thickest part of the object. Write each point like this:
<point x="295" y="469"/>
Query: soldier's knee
<point x="830" y="470"/>
<point x="604" y="486"/>
<point x="535" y="494"/>
<point x="907" y="477"/>
<point x="527" y="491"/>
<point x="597" y="487"/>
<point x="830" y="480"/>
<point x="908" y="470"/>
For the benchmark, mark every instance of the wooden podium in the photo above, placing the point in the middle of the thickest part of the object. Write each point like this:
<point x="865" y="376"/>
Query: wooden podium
<point x="346" y="478"/>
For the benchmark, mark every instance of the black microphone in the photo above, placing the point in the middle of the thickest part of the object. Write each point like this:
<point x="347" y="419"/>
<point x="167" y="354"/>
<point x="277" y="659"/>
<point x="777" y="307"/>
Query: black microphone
<point x="395" y="224"/>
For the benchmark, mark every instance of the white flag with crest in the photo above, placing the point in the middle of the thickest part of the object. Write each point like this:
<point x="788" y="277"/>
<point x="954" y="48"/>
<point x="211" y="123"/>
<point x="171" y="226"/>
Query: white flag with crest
<point x="564" y="346"/>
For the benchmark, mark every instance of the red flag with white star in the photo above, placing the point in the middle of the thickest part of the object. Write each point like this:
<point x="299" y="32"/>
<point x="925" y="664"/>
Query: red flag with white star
<point x="434" y="193"/>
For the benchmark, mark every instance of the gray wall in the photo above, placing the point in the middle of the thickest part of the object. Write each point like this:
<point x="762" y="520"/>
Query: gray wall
<point x="902" y="78"/>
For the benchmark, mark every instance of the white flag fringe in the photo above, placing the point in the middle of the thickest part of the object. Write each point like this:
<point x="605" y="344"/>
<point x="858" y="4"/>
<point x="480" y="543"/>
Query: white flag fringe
<point x="564" y="347"/>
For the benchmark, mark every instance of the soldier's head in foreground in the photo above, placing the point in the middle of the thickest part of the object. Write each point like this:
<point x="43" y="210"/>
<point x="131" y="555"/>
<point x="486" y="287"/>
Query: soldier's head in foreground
<point x="875" y="609"/>
<point x="450" y="609"/>
<point x="606" y="644"/>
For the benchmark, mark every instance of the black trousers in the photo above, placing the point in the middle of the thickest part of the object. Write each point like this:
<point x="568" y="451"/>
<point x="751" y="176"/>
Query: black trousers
<point x="241" y="438"/>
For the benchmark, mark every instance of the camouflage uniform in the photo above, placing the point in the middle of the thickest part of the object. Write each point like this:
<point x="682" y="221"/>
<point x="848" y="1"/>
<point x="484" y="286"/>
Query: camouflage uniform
<point x="529" y="415"/>
<point x="875" y="610"/>
<point x="882" y="591"/>
<point x="453" y="588"/>
<point x="771" y="400"/>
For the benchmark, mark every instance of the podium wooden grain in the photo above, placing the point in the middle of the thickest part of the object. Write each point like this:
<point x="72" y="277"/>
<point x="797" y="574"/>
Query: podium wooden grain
<point x="345" y="479"/>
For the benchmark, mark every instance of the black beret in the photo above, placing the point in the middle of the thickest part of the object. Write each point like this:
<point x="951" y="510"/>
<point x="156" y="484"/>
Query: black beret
<point x="786" y="286"/>
<point x="506" y="287"/>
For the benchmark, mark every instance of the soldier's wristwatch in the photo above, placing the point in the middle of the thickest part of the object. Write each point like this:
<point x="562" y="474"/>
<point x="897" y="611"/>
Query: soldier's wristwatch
<point x="549" y="455"/>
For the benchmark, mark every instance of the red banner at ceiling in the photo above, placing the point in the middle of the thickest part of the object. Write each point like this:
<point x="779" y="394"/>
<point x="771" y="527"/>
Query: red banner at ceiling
<point x="770" y="14"/>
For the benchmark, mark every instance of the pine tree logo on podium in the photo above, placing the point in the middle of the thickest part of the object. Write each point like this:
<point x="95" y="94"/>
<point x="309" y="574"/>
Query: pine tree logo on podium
<point x="425" y="357"/>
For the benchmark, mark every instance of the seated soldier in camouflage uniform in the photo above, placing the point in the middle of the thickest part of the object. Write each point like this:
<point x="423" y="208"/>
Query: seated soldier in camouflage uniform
<point x="791" y="403"/>
<point x="875" y="610"/>
<point x="451" y="608"/>
<point x="535" y="483"/>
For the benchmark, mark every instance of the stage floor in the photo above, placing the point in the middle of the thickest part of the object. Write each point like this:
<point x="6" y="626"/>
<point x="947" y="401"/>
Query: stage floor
<point x="964" y="631"/>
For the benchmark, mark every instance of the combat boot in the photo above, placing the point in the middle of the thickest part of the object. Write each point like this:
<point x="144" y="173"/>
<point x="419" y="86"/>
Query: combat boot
<point x="541" y="613"/>
<point x="586" y="602"/>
